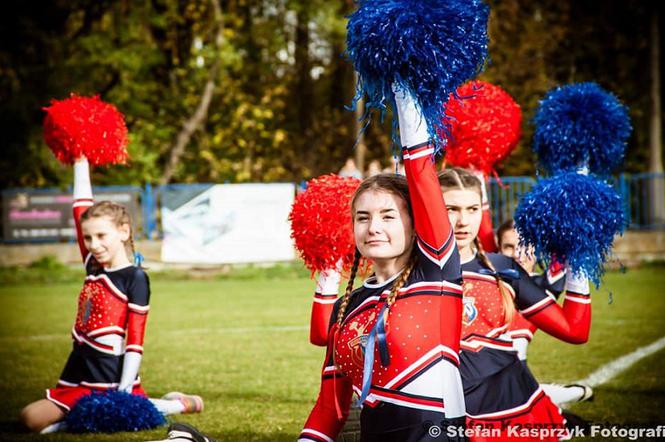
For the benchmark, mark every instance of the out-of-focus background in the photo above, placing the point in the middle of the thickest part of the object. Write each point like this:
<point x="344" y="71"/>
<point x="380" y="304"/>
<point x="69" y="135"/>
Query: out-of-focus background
<point x="231" y="106"/>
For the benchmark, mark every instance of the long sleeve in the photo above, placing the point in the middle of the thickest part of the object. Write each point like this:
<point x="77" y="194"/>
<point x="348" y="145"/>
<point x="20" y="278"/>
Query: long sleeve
<point x="327" y="287"/>
<point x="434" y="234"/>
<point x="439" y="260"/>
<point x="323" y="424"/>
<point x="137" y="312"/>
<point x="570" y="322"/>
<point x="82" y="199"/>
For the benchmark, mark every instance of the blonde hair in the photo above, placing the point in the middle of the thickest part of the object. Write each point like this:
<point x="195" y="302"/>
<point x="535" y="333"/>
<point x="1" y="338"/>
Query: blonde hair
<point x="118" y="215"/>
<point x="456" y="178"/>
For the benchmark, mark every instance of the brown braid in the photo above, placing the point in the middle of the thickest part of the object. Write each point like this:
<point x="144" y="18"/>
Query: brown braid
<point x="349" y="288"/>
<point x="118" y="215"/>
<point x="402" y="279"/>
<point x="506" y="299"/>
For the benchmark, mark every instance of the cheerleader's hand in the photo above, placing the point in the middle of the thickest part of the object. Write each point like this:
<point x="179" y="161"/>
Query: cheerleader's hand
<point x="329" y="280"/>
<point x="576" y="282"/>
<point x="130" y="370"/>
<point x="126" y="388"/>
<point x="412" y="125"/>
<point x="82" y="186"/>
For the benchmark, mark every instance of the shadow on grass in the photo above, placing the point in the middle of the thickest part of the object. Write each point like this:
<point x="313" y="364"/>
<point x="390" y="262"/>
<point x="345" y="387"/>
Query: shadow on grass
<point x="255" y="437"/>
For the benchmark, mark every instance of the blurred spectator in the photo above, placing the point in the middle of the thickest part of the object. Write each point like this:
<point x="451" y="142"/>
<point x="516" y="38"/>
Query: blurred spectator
<point x="374" y="168"/>
<point x="350" y="169"/>
<point x="399" y="169"/>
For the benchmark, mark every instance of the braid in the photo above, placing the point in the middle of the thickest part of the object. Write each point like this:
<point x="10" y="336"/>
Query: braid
<point x="401" y="280"/>
<point x="507" y="300"/>
<point x="349" y="288"/>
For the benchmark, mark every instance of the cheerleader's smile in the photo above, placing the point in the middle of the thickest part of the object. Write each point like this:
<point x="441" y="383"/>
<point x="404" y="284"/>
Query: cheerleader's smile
<point x="382" y="226"/>
<point x="105" y="240"/>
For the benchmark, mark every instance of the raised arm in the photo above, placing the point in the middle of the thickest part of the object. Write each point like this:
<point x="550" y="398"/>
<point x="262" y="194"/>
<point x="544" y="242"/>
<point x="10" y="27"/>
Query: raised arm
<point x="82" y="199"/>
<point x="434" y="234"/>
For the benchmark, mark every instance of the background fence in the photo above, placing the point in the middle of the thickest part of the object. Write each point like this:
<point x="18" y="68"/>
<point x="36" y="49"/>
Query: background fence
<point x="643" y="195"/>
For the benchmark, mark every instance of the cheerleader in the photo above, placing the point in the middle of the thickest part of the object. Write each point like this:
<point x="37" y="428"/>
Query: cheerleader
<point x="395" y="340"/>
<point x="110" y="323"/>
<point x="501" y="394"/>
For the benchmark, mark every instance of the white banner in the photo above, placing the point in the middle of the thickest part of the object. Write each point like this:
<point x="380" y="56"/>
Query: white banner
<point x="229" y="223"/>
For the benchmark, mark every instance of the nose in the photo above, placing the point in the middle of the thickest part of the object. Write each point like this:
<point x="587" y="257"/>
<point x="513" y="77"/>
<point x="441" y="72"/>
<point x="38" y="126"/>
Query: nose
<point x="463" y="218"/>
<point x="375" y="225"/>
<point x="94" y="243"/>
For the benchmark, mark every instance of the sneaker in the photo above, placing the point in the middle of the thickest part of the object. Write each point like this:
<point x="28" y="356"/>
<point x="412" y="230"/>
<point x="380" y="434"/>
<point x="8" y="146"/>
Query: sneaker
<point x="588" y="392"/>
<point x="192" y="402"/>
<point x="182" y="431"/>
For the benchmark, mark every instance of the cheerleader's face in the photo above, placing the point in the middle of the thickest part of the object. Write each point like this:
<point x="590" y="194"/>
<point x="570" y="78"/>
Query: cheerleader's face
<point x="465" y="214"/>
<point x="509" y="246"/>
<point x="382" y="226"/>
<point x="106" y="240"/>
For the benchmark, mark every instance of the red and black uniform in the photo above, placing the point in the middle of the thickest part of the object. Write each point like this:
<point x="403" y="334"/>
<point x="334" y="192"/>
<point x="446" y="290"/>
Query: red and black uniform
<point x="421" y="387"/>
<point x="553" y="282"/>
<point x="112" y="311"/>
<point x="499" y="389"/>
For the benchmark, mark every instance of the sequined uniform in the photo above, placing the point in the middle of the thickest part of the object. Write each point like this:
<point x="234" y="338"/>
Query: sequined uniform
<point x="112" y="311"/>
<point x="499" y="390"/>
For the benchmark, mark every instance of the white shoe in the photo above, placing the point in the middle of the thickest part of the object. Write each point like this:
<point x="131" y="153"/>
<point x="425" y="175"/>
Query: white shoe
<point x="588" y="392"/>
<point x="192" y="403"/>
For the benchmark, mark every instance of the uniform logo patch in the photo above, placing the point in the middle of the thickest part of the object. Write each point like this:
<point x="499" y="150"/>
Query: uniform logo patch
<point x="357" y="344"/>
<point x="470" y="310"/>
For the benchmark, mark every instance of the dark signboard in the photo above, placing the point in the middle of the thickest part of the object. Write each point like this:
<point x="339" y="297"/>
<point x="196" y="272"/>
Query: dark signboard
<point x="43" y="215"/>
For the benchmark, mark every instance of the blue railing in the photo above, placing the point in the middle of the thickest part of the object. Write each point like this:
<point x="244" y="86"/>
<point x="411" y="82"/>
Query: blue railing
<point x="643" y="195"/>
<point x="504" y="195"/>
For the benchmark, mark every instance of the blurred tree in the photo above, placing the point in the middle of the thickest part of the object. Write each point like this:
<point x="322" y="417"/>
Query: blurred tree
<point x="257" y="92"/>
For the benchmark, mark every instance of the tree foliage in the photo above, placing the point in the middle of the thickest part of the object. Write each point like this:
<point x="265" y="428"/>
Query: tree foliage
<point x="278" y="109"/>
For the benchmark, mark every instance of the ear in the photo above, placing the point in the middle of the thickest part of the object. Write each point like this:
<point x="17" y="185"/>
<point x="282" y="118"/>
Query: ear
<point x="124" y="232"/>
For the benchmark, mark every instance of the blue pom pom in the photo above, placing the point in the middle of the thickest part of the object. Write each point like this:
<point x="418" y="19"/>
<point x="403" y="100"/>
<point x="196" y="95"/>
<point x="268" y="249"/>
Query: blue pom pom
<point x="427" y="47"/>
<point x="572" y="217"/>
<point x="113" y="411"/>
<point x="581" y="125"/>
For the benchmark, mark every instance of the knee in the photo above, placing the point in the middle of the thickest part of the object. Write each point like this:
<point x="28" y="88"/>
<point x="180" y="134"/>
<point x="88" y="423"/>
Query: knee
<point x="27" y="418"/>
<point x="32" y="419"/>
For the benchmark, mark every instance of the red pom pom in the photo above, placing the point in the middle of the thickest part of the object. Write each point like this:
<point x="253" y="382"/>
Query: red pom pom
<point x="321" y="222"/>
<point x="484" y="128"/>
<point x="86" y="126"/>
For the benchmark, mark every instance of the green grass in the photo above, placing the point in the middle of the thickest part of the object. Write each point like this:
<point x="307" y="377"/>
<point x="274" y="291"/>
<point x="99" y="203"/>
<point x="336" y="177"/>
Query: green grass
<point x="241" y="342"/>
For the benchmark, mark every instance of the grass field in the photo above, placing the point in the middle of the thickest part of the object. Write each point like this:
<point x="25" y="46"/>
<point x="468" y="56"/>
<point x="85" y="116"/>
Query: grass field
<point x="241" y="341"/>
